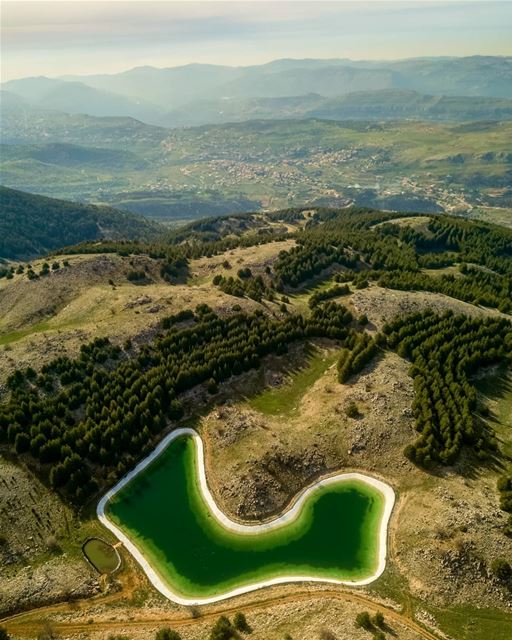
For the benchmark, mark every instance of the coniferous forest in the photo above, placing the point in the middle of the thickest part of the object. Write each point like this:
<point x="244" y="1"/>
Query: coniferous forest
<point x="86" y="421"/>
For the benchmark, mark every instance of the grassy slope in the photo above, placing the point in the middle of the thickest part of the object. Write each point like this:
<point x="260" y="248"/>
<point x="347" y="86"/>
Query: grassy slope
<point x="496" y="390"/>
<point x="286" y="398"/>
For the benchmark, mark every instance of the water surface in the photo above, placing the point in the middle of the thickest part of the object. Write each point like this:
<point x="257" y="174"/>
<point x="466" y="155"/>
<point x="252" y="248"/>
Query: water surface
<point x="162" y="510"/>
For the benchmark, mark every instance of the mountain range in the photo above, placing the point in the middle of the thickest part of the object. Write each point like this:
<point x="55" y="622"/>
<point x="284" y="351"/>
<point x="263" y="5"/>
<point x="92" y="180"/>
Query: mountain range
<point x="476" y="87"/>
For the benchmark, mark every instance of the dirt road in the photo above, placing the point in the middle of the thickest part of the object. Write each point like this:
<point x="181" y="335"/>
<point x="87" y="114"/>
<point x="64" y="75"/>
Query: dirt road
<point x="30" y="623"/>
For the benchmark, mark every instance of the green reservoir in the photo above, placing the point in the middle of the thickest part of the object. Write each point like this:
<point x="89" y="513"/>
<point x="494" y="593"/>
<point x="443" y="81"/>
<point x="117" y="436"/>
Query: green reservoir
<point x="162" y="510"/>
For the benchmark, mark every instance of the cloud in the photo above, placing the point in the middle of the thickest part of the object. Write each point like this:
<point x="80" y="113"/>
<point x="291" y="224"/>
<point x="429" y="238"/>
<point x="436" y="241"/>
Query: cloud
<point x="84" y="37"/>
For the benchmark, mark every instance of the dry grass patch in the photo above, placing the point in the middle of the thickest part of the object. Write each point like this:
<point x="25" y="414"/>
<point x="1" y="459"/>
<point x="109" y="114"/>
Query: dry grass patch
<point x="418" y="223"/>
<point x="126" y="311"/>
<point x="382" y="305"/>
<point x="256" y="258"/>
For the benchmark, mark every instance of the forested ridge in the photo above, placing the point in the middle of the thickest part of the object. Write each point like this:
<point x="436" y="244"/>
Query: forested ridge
<point x="396" y="255"/>
<point x="32" y="225"/>
<point x="367" y="244"/>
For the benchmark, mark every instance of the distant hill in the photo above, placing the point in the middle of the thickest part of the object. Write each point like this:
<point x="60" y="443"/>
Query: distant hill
<point x="386" y="104"/>
<point x="485" y="76"/>
<point x="22" y="122"/>
<point x="32" y="225"/>
<point x="398" y="104"/>
<point x="78" y="97"/>
<point x="149" y="93"/>
<point x="73" y="156"/>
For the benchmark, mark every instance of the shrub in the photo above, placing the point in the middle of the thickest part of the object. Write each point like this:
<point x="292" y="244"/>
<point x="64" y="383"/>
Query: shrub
<point x="378" y="619"/>
<point x="240" y="622"/>
<point x="363" y="620"/>
<point x="501" y="569"/>
<point x="410" y="452"/>
<point x="222" y="630"/>
<point x="22" y="443"/>
<point x="212" y="386"/>
<point x="167" y="634"/>
<point x="245" y="272"/>
<point x="136" y="276"/>
<point x="351" y="410"/>
<point x="3" y="634"/>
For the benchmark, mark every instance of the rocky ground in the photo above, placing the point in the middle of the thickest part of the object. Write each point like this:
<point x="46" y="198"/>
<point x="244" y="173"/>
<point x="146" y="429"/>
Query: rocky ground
<point x="382" y="305"/>
<point x="56" y="580"/>
<point x="37" y="565"/>
<point x="289" y="451"/>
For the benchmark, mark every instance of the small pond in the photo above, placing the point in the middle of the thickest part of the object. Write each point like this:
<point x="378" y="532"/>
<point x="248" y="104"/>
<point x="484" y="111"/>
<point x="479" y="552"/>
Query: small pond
<point x="338" y="532"/>
<point x="103" y="557"/>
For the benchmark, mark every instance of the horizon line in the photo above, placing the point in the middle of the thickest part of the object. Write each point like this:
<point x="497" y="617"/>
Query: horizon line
<point x="261" y="64"/>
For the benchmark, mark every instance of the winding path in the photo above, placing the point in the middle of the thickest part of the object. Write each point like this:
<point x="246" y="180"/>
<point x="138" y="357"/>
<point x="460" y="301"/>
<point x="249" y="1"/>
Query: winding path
<point x="30" y="623"/>
<point x="286" y="518"/>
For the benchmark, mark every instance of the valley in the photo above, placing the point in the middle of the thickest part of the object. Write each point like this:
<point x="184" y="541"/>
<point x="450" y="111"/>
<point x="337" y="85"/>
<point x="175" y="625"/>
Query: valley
<point x="175" y="175"/>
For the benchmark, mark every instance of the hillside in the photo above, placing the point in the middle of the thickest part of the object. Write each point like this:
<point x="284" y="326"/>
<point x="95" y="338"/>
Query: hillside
<point x="387" y="104"/>
<point x="73" y="156"/>
<point x="23" y="122"/>
<point x="79" y="98"/>
<point x="298" y="343"/>
<point x="32" y="225"/>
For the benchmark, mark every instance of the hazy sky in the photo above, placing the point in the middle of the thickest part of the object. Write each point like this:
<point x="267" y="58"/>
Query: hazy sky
<point x="54" y="38"/>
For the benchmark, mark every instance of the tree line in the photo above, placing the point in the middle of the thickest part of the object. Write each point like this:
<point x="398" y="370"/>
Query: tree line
<point x="253" y="287"/>
<point x="87" y="420"/>
<point x="473" y="285"/>
<point x="359" y="350"/>
<point x="444" y="352"/>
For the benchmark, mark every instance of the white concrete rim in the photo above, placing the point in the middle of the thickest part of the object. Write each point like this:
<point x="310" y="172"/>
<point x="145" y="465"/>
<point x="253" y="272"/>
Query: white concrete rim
<point x="288" y="516"/>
